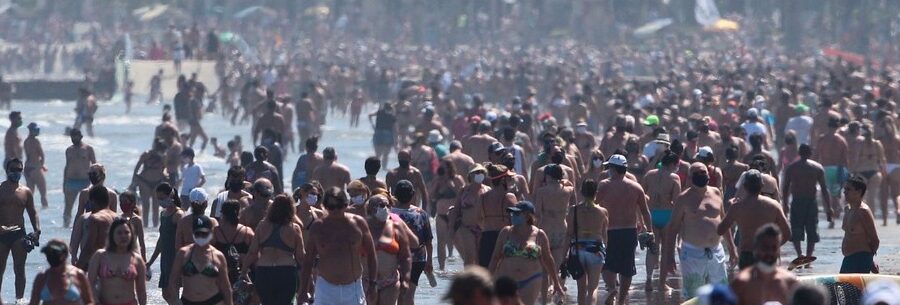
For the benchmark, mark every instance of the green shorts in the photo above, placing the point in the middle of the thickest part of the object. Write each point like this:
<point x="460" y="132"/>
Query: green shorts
<point x="835" y="176"/>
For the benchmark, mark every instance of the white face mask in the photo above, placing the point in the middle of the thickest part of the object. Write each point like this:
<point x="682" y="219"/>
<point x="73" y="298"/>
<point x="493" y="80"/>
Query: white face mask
<point x="597" y="163"/>
<point x="312" y="199"/>
<point x="581" y="130"/>
<point x="478" y="178"/>
<point x="765" y="268"/>
<point x="382" y="214"/>
<point x="357" y="200"/>
<point x="202" y="241"/>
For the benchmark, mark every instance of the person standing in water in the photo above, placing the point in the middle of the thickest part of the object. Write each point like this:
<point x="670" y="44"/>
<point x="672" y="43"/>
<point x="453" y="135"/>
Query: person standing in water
<point x="118" y="273"/>
<point x="200" y="269"/>
<point x="13" y="143"/>
<point x="168" y="199"/>
<point x="61" y="279"/>
<point x="34" y="164"/>
<point x="15" y="200"/>
<point x="149" y="172"/>
<point x="79" y="158"/>
<point x="85" y="108"/>
<point x="96" y="226"/>
<point x="663" y="186"/>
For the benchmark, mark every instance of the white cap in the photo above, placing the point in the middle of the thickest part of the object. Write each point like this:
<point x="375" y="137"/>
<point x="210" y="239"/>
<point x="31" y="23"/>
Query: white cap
<point x="434" y="136"/>
<point x="886" y="292"/>
<point x="198" y="195"/>
<point x="617" y="160"/>
<point x="704" y="152"/>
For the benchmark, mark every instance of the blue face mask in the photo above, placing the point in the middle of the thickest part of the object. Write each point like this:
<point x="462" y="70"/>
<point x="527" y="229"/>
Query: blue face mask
<point x="517" y="219"/>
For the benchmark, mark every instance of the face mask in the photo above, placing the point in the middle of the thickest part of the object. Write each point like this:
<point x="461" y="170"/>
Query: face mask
<point x="165" y="203"/>
<point x="404" y="163"/>
<point x="478" y="178"/>
<point x="312" y="199"/>
<point x="517" y="219"/>
<point x="358" y="200"/>
<point x="185" y="160"/>
<point x="55" y="259"/>
<point x="382" y="214"/>
<point x="95" y="178"/>
<point x="765" y="267"/>
<point x="597" y="163"/>
<point x="235" y="186"/>
<point x="581" y="130"/>
<point x="700" y="180"/>
<point x="202" y="241"/>
<point x="14" y="176"/>
<point x="557" y="158"/>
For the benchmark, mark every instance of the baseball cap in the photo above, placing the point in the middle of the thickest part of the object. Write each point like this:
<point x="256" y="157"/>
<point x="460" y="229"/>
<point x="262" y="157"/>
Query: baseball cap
<point x="801" y="108"/>
<point x="198" y="195"/>
<point x="496" y="147"/>
<point x="882" y="292"/>
<point x="753" y="113"/>
<point x="522" y="206"/>
<point x="651" y="120"/>
<point x="704" y="152"/>
<point x="202" y="224"/>
<point x="663" y="138"/>
<point x="716" y="294"/>
<point x="617" y="160"/>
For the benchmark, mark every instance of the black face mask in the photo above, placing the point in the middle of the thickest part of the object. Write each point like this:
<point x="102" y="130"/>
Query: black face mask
<point x="235" y="186"/>
<point x="557" y="158"/>
<point x="404" y="163"/>
<point x="700" y="180"/>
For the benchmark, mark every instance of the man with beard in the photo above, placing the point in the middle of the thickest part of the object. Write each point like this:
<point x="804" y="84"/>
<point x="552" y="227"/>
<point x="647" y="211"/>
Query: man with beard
<point x="79" y="158"/>
<point x="15" y="200"/>
<point x="337" y="245"/>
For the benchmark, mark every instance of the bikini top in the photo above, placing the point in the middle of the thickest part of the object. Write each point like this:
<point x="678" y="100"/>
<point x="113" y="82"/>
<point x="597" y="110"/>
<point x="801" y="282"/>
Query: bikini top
<point x="106" y="272"/>
<point x="530" y="251"/>
<point x="189" y="269"/>
<point x="388" y="242"/>
<point x="275" y="241"/>
<point x="73" y="293"/>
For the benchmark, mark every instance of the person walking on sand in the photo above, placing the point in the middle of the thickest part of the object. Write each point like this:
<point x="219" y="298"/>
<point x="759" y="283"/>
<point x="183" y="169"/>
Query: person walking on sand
<point x="860" y="236"/>
<point x="800" y="180"/>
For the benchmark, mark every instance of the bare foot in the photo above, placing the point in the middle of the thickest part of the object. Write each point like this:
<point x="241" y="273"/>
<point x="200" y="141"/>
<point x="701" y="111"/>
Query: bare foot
<point x="610" y="298"/>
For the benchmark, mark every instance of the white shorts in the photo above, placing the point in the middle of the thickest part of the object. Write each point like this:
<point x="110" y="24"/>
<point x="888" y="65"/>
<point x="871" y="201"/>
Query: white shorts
<point x="331" y="294"/>
<point x="701" y="266"/>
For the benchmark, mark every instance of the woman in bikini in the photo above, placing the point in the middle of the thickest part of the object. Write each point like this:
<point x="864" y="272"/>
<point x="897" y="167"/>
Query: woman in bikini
<point x="494" y="207"/>
<point x="392" y="250"/>
<point x="869" y="162"/>
<point x="588" y="235"/>
<point x="594" y="169"/>
<point x="149" y="172"/>
<point x="128" y="203"/>
<point x="523" y="253"/>
<point x="466" y="216"/>
<point x="200" y="269"/>
<point x="118" y="272"/>
<point x="886" y="132"/>
<point x="445" y="189"/>
<point x="62" y="283"/>
<point x="277" y="253"/>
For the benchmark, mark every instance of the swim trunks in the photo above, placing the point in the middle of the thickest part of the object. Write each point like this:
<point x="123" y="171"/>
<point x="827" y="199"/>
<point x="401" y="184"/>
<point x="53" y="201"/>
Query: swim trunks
<point x="660" y="218"/>
<point x="701" y="266"/>
<point x="9" y="238"/>
<point x="620" y="251"/>
<point x="804" y="219"/>
<point x="859" y="262"/>
<point x="835" y="176"/>
<point x="332" y="294"/>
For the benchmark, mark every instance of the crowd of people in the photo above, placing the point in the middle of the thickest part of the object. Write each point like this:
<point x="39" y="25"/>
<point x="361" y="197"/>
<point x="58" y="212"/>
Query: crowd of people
<point x="538" y="164"/>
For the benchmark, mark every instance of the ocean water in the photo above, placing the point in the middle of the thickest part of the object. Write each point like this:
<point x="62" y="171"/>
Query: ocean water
<point x="120" y="138"/>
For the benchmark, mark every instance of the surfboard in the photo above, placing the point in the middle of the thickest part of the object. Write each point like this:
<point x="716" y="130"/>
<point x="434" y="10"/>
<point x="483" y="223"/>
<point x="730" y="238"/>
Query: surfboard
<point x="845" y="289"/>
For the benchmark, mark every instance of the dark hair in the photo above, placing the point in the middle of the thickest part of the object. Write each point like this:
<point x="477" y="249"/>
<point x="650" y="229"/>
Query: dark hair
<point x="806" y="294"/>
<point x="589" y="188"/>
<point x="236" y="172"/>
<point x="130" y="196"/>
<point x="373" y="165"/>
<point x="756" y="140"/>
<point x="731" y="153"/>
<point x="246" y="158"/>
<point x="111" y="239"/>
<point x="858" y="183"/>
<point x="554" y="171"/>
<point x="230" y="210"/>
<point x="11" y="161"/>
<point x="166" y="188"/>
<point x="506" y="287"/>
<point x="805" y="151"/>
<point x="669" y="158"/>
<point x="329" y="153"/>
<point x="618" y="169"/>
<point x="790" y="137"/>
<point x="99" y="196"/>
<point x="335" y="199"/>
<point x="753" y="181"/>
<point x="766" y="231"/>
<point x="259" y="151"/>
<point x="466" y="284"/>
<point x="281" y="211"/>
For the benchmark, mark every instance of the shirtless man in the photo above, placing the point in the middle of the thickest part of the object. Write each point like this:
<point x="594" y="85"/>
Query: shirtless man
<point x="173" y="160"/>
<point x="408" y="172"/>
<point x="287" y="134"/>
<point x="234" y="189"/>
<point x="34" y="163"/>
<point x="731" y="171"/>
<point x="705" y="136"/>
<point x="261" y="168"/>
<point x="270" y="119"/>
<point x="79" y="158"/>
<point x="821" y="120"/>
<point x="698" y="211"/>
<point x="339" y="279"/>
<point x="12" y="142"/>
<point x="615" y="139"/>
<point x="97" y="175"/>
<point x="15" y="200"/>
<point x="663" y="186"/>
<point x="476" y="146"/>
<point x="423" y="157"/>
<point x="551" y="205"/>
<point x="751" y="213"/>
<point x="85" y="108"/>
<point x="861" y="241"/>
<point x="799" y="185"/>
<point x="331" y="173"/>
<point x="461" y="161"/>
<point x="831" y="152"/>
<point x="373" y="166"/>
<point x="625" y="200"/>
<point x="306" y="163"/>
<point x="263" y="192"/>
<point x="96" y="226"/>
<point x="763" y="281"/>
